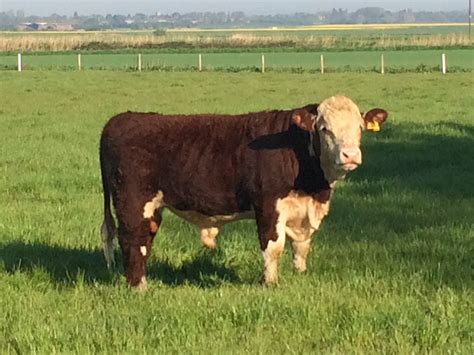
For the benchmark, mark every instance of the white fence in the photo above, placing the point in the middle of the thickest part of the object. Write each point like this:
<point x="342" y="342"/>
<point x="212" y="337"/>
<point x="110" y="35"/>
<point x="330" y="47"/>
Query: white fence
<point x="200" y="63"/>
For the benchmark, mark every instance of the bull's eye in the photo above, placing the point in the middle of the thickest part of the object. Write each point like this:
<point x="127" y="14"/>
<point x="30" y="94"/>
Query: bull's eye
<point x="323" y="129"/>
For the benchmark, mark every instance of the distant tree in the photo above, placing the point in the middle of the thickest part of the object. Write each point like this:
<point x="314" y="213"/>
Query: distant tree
<point x="369" y="15"/>
<point x="11" y="19"/>
<point x="339" y="16"/>
<point x="140" y="17"/>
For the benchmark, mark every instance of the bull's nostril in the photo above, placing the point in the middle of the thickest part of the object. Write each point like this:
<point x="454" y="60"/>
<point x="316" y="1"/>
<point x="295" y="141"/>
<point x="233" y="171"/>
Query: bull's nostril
<point x="350" y="157"/>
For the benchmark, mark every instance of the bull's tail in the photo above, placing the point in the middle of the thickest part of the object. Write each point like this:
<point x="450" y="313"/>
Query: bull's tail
<point x="108" y="229"/>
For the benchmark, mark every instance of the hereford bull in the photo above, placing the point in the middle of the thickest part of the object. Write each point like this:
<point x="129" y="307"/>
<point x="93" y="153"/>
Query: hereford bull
<point x="279" y="167"/>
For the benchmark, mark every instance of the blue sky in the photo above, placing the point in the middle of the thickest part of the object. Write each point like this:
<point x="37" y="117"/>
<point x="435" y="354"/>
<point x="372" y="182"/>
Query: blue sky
<point x="45" y="7"/>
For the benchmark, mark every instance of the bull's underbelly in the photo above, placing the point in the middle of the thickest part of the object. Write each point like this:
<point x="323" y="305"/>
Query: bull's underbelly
<point x="300" y="213"/>
<point x="204" y="221"/>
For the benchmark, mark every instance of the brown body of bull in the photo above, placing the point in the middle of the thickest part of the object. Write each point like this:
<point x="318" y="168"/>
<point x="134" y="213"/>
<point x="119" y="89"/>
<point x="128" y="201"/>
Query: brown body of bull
<point x="211" y="170"/>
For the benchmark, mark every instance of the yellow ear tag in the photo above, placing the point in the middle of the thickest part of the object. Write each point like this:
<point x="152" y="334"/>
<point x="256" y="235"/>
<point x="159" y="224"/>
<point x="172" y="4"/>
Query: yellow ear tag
<point x="373" y="126"/>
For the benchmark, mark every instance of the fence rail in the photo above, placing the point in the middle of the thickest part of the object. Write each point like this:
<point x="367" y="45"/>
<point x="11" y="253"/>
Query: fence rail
<point x="386" y="62"/>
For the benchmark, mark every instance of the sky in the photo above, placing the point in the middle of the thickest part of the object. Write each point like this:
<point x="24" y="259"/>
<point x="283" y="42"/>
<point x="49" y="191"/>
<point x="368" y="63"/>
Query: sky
<point x="86" y="7"/>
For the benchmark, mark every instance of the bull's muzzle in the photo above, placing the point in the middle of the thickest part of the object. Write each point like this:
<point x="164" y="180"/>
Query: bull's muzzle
<point x="350" y="158"/>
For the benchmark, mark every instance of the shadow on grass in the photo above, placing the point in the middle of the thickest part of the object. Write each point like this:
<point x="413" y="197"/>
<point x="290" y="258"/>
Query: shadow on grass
<point x="434" y="158"/>
<point x="64" y="265"/>
<point x="420" y="224"/>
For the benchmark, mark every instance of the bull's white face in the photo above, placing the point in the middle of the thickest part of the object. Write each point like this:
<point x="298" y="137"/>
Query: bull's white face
<point x="339" y="126"/>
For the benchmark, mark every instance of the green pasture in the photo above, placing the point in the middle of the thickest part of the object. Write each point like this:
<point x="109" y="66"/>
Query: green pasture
<point x="391" y="270"/>
<point x="334" y="61"/>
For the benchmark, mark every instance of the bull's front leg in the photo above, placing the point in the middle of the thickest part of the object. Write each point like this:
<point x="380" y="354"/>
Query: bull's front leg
<point x="300" y="236"/>
<point x="272" y="236"/>
<point x="208" y="237"/>
<point x="300" y="254"/>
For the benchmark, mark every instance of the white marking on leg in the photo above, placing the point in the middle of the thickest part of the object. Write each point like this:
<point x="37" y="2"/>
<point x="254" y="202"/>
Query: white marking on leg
<point x="143" y="285"/>
<point x="300" y="254"/>
<point x="272" y="253"/>
<point x="208" y="237"/>
<point x="151" y="206"/>
<point x="143" y="250"/>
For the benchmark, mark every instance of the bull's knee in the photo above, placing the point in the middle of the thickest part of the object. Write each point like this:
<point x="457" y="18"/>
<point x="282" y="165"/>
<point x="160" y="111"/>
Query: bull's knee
<point x="208" y="237"/>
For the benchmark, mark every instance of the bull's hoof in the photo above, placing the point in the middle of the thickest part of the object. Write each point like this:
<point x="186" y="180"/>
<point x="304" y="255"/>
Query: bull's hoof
<point x="209" y="244"/>
<point x="268" y="283"/>
<point x="142" y="286"/>
<point x="300" y="269"/>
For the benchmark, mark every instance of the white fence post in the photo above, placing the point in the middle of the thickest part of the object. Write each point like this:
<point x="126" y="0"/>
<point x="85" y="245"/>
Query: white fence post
<point x="443" y="63"/>
<point x="200" y="62"/>
<point x="322" y="64"/>
<point x="263" y="63"/>
<point x="139" y="62"/>
<point x="382" y="65"/>
<point x="20" y="65"/>
<point x="79" y="62"/>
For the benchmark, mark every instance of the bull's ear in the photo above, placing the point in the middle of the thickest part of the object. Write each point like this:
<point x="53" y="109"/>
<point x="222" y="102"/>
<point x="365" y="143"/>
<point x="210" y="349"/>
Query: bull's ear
<point x="374" y="119"/>
<point x="304" y="120"/>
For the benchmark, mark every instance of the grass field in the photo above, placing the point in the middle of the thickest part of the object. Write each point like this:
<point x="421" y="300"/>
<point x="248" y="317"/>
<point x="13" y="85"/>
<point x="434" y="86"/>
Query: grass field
<point x="423" y="60"/>
<point x="391" y="270"/>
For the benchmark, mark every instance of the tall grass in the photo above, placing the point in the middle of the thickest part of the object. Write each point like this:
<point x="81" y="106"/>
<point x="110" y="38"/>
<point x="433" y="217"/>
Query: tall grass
<point x="104" y="40"/>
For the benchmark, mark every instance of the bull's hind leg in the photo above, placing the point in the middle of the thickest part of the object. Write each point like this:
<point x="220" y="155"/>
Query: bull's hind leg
<point x="139" y="222"/>
<point x="208" y="237"/>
